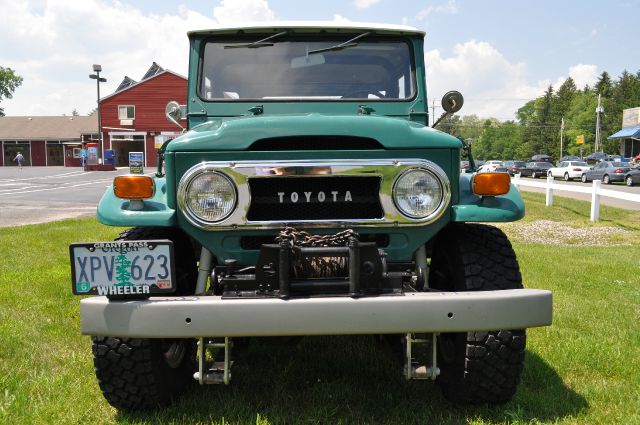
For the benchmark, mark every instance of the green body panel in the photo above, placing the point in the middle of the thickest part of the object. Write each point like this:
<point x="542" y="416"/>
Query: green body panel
<point x="239" y="133"/>
<point x="114" y="211"/>
<point x="474" y="208"/>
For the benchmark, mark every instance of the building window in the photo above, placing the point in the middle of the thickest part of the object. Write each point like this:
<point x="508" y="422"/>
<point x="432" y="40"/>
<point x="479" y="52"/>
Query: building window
<point x="126" y="112"/>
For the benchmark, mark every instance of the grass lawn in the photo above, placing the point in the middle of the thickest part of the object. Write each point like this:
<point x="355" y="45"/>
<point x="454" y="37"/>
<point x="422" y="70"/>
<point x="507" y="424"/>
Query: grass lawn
<point x="583" y="369"/>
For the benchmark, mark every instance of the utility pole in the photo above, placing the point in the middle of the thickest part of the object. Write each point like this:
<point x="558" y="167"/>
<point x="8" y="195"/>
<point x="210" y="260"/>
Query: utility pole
<point x="433" y="111"/>
<point x="599" y="109"/>
<point x="561" y="137"/>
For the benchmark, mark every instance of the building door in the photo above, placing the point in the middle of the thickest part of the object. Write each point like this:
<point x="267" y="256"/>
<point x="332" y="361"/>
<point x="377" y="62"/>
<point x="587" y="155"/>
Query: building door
<point x="55" y="156"/>
<point x="122" y="145"/>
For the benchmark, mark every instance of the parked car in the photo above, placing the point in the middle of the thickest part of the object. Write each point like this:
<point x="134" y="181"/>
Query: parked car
<point x="513" y="167"/>
<point x="541" y="158"/>
<point x="490" y="166"/>
<point x="535" y="169"/>
<point x="568" y="170"/>
<point x="595" y="157"/>
<point x="607" y="171"/>
<point x="632" y="177"/>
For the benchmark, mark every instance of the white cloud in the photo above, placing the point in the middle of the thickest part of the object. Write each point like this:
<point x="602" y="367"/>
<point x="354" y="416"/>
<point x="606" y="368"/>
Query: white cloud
<point x="52" y="45"/>
<point x="450" y="8"/>
<point x="234" y="11"/>
<point x="363" y="4"/>
<point x="340" y="19"/>
<point x="492" y="86"/>
<point x="584" y="74"/>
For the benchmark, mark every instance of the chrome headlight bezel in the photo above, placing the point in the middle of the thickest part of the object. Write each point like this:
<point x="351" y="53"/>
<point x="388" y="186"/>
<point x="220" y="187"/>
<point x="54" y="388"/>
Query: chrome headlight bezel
<point x="445" y="192"/>
<point x="183" y="193"/>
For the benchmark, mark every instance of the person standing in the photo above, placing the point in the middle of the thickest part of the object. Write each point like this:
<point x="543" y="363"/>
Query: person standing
<point x="19" y="159"/>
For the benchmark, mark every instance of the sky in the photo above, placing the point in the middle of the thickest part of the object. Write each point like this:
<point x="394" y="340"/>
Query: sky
<point x="498" y="53"/>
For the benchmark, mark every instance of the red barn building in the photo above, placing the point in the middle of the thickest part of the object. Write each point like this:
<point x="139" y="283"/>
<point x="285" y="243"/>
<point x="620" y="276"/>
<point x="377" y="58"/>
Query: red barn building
<point x="133" y="118"/>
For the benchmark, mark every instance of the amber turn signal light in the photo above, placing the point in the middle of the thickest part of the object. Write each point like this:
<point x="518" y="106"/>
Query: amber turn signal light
<point x="133" y="187"/>
<point x="491" y="184"/>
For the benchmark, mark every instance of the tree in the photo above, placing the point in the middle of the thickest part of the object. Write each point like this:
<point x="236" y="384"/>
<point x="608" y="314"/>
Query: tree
<point x="74" y="113"/>
<point x="604" y="85"/>
<point x="122" y="270"/>
<point x="9" y="82"/>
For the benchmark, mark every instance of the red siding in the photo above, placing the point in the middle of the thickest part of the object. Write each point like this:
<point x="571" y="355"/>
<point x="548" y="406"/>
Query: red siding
<point x="149" y="98"/>
<point x="38" y="153"/>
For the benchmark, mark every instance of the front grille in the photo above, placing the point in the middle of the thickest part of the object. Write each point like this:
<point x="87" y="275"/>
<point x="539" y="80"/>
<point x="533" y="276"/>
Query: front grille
<point x="314" y="198"/>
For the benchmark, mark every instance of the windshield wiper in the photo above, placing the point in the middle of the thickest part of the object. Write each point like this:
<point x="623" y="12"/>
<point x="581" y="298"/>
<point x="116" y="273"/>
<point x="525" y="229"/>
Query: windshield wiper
<point x="256" y="44"/>
<point x="341" y="46"/>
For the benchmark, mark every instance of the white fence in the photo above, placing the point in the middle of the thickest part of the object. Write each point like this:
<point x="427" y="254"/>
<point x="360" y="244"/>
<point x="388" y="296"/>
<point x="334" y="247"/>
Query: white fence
<point x="595" y="190"/>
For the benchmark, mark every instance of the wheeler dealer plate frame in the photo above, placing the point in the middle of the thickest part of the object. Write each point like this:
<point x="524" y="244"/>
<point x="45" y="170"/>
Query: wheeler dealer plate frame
<point x="111" y="268"/>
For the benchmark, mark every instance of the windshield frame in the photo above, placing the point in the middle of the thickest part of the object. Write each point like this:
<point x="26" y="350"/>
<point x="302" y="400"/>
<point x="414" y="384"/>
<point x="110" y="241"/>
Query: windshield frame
<point x="332" y="39"/>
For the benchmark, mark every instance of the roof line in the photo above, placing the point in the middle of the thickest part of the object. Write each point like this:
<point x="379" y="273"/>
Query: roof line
<point x="143" y="81"/>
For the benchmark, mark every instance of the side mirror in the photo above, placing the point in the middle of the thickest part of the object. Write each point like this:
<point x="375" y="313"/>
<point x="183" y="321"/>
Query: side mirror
<point x="173" y="113"/>
<point x="452" y="102"/>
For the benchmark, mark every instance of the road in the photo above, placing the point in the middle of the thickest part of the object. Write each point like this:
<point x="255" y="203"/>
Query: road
<point x="43" y="194"/>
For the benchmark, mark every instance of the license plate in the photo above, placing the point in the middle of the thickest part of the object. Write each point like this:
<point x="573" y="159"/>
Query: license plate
<point x="122" y="268"/>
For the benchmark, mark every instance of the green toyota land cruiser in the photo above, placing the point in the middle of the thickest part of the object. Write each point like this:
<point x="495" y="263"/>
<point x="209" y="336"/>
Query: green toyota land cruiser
<point x="308" y="196"/>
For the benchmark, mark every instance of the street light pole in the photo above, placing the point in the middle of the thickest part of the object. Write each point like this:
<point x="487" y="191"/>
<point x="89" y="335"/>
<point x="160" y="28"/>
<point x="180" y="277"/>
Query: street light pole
<point x="96" y="76"/>
<point x="599" y="109"/>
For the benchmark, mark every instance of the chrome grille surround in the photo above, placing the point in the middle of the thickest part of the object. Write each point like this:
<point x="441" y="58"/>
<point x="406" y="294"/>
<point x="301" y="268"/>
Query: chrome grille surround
<point x="387" y="169"/>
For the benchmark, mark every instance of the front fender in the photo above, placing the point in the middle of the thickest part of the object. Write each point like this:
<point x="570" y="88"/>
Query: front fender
<point x="474" y="208"/>
<point x="114" y="211"/>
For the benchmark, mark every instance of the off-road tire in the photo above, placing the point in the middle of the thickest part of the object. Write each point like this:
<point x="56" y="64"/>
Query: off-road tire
<point x="141" y="373"/>
<point x="134" y="374"/>
<point x="477" y="367"/>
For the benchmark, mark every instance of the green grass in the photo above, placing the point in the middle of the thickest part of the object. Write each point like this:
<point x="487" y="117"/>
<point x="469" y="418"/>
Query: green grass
<point x="583" y="369"/>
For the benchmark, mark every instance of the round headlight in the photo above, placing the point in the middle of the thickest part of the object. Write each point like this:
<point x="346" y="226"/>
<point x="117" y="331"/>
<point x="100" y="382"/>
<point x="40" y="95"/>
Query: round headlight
<point x="210" y="196"/>
<point x="418" y="193"/>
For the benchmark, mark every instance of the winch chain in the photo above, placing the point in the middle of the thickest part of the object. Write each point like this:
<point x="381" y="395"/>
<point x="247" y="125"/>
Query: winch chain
<point x="316" y="266"/>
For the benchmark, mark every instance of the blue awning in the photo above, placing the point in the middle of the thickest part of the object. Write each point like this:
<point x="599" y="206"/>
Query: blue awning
<point x="626" y="132"/>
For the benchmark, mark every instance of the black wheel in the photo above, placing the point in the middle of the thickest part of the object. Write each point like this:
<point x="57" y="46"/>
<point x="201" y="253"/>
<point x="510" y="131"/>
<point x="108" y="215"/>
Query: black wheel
<point x="583" y="178"/>
<point x="143" y="373"/>
<point x="566" y="177"/>
<point x="477" y="367"/>
<point x="606" y="179"/>
<point x="629" y="181"/>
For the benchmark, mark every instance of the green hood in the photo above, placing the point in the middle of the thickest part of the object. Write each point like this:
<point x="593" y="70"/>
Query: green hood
<point x="240" y="133"/>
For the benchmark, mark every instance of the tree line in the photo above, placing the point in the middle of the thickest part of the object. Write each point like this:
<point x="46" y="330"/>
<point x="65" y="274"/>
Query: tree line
<point x="537" y="127"/>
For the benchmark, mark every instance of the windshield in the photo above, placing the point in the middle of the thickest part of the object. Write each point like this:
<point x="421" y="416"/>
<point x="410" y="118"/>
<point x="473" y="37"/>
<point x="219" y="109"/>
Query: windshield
<point x="287" y="69"/>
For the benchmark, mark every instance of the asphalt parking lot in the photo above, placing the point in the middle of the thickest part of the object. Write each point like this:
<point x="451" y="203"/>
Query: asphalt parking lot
<point x="43" y="194"/>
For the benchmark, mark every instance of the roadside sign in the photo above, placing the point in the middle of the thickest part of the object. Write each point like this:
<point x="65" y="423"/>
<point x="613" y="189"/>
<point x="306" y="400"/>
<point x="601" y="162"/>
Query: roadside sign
<point x="136" y="163"/>
<point x="580" y="139"/>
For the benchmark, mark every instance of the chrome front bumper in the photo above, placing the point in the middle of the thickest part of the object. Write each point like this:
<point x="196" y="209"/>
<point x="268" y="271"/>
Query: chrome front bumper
<point x="210" y="316"/>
